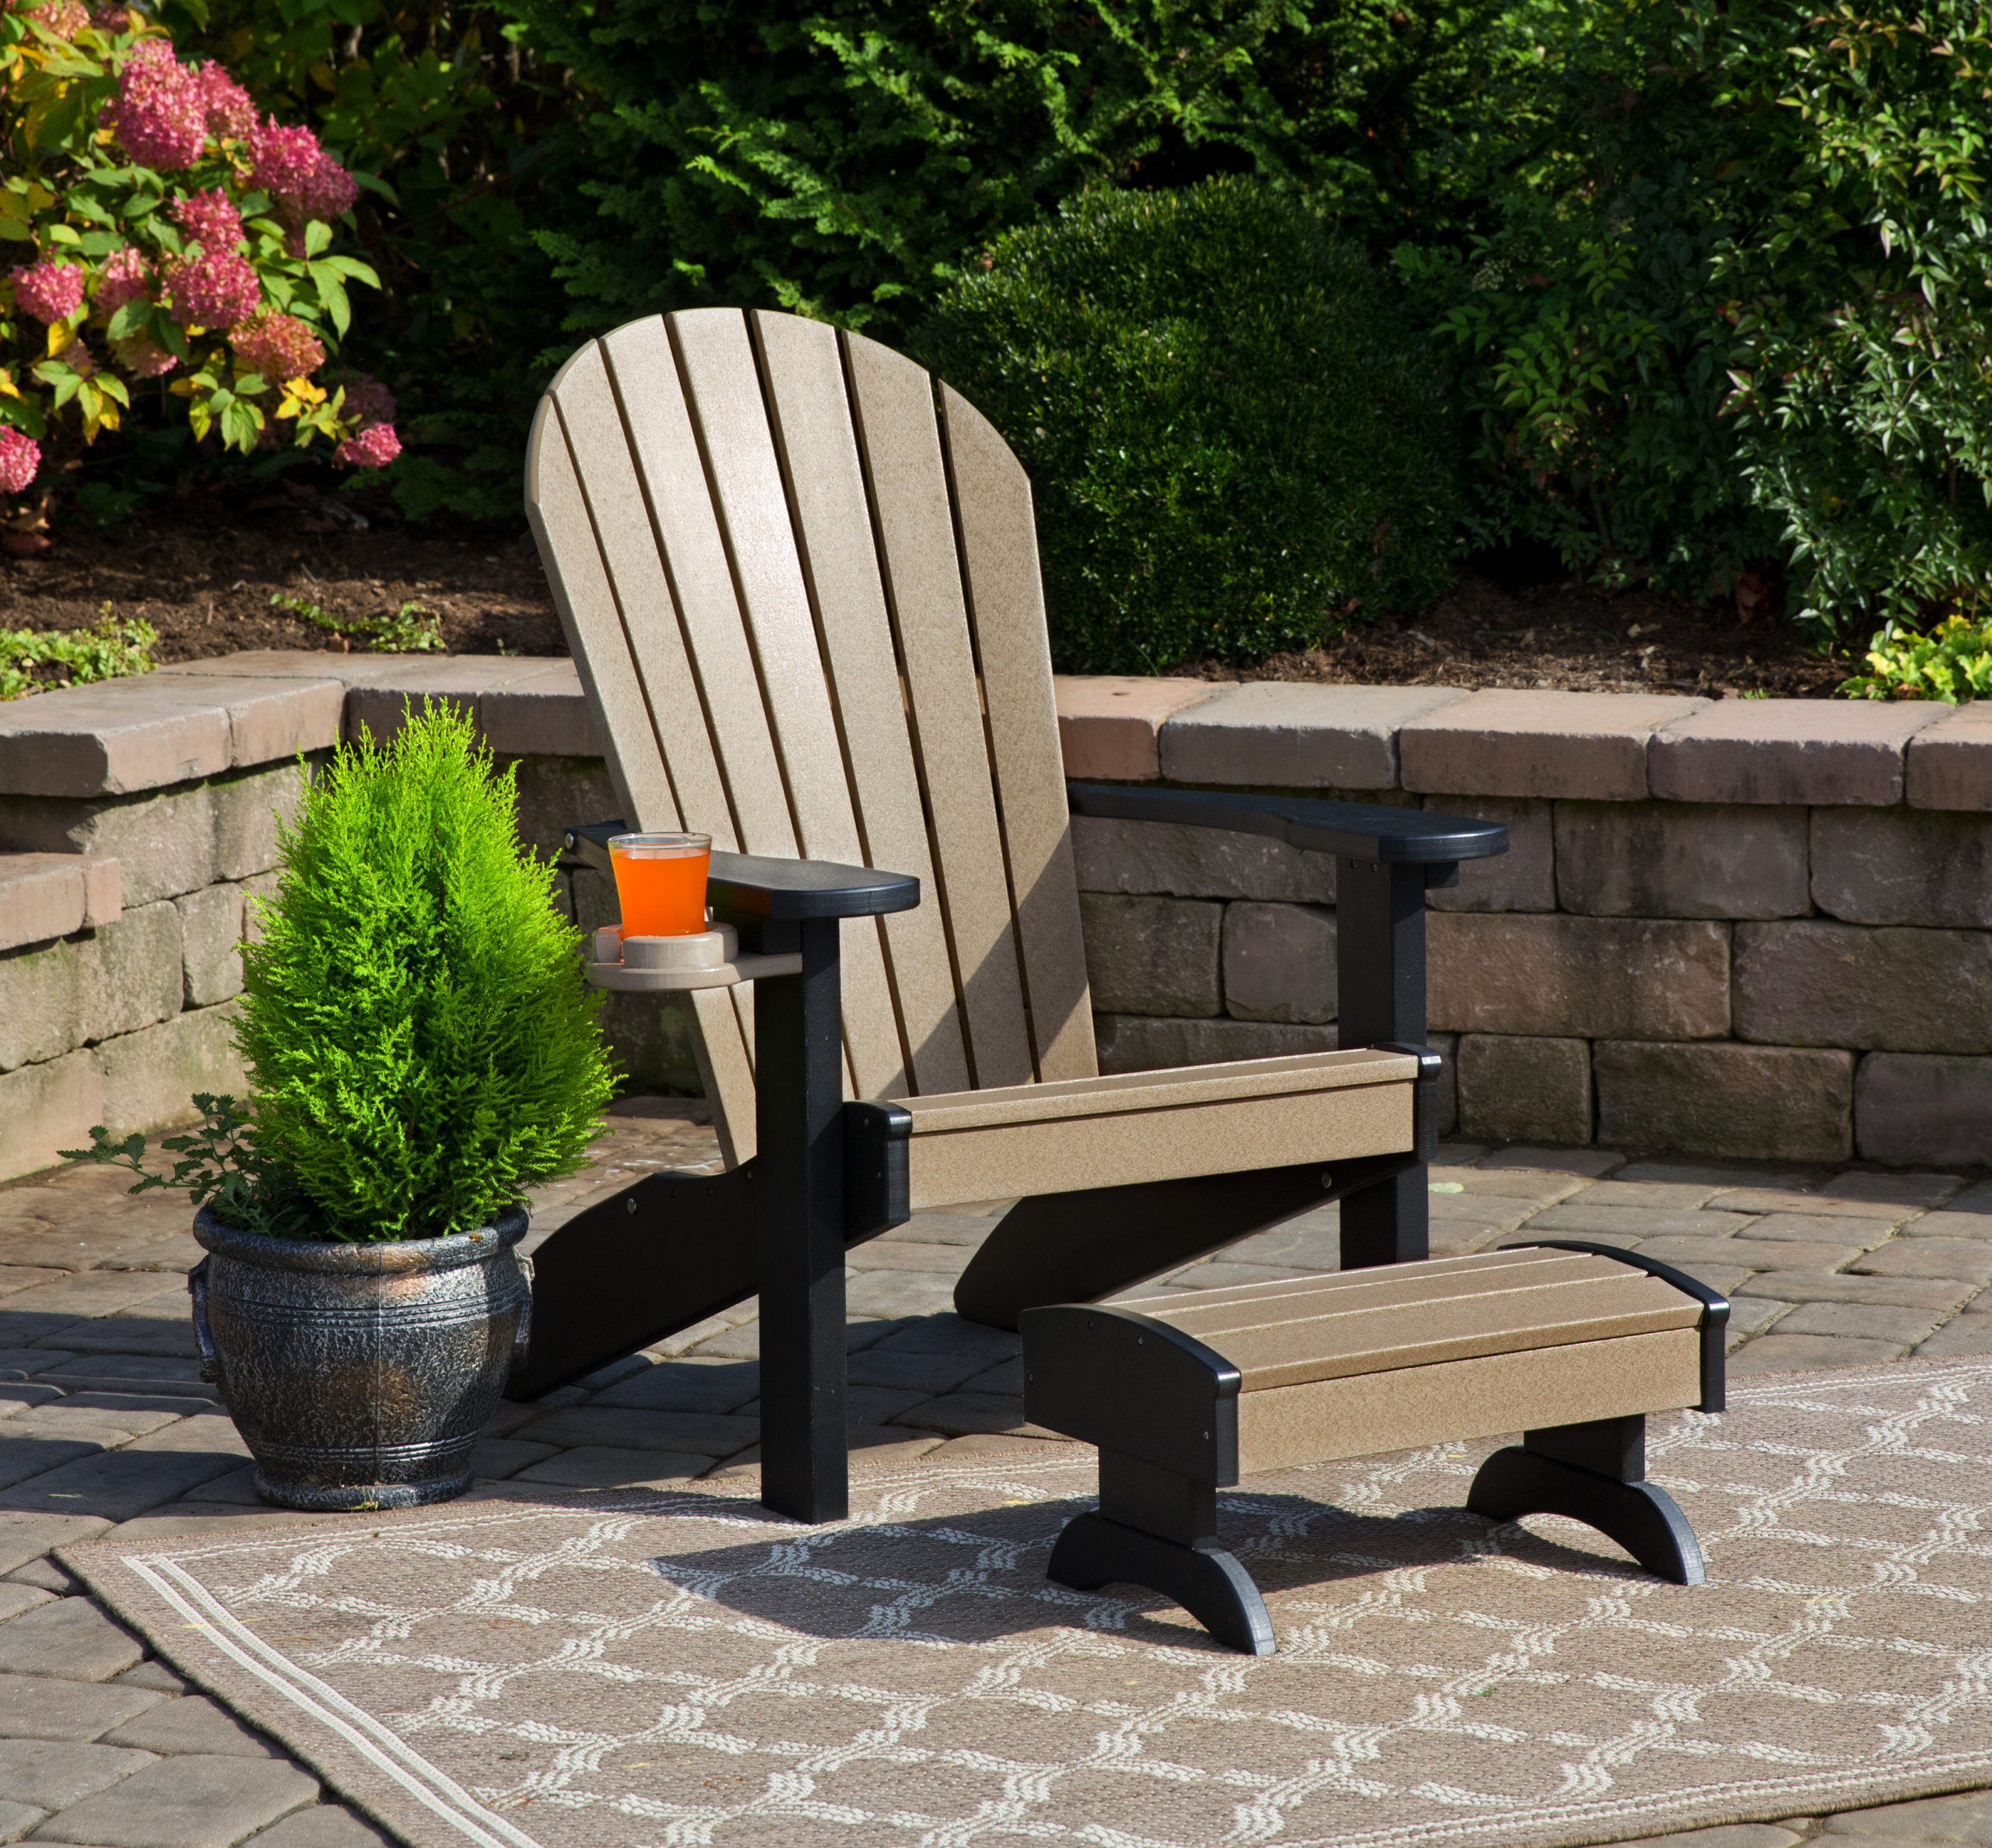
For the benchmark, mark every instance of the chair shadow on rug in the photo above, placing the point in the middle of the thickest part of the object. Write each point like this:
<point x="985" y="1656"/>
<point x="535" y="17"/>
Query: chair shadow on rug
<point x="980" y="1576"/>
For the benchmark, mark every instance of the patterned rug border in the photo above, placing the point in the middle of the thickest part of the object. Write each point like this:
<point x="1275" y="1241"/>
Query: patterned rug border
<point x="342" y="1744"/>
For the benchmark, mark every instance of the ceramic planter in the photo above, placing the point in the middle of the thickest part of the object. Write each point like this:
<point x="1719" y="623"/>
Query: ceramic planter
<point x="361" y="1376"/>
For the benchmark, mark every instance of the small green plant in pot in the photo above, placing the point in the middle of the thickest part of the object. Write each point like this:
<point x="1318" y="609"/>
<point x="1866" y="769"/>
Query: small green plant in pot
<point x="421" y="1050"/>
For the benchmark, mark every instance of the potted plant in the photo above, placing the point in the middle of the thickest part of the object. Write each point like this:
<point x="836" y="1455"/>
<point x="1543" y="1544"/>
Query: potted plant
<point x="422" y="1049"/>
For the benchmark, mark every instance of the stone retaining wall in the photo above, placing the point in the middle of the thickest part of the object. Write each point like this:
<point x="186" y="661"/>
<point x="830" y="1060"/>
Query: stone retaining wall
<point x="1747" y="928"/>
<point x="1750" y="927"/>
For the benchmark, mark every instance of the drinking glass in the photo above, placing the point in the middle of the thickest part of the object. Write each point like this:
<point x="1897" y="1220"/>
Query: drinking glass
<point x="660" y="882"/>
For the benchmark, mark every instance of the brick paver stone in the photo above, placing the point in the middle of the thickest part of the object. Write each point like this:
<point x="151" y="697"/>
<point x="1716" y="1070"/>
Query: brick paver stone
<point x="72" y="1638"/>
<point x="1963" y="1335"/>
<point x="1964" y="1258"/>
<point x="54" y="1773"/>
<point x="1873" y="1321"/>
<point x="33" y="1707"/>
<point x="1580" y="1215"/>
<point x="1760" y="1254"/>
<point x="602" y="1466"/>
<point x="324" y="1825"/>
<point x="1941" y="1294"/>
<point x="192" y="1723"/>
<point x="1967" y="1817"/>
<point x="1777" y="1352"/>
<point x="190" y="1802"/>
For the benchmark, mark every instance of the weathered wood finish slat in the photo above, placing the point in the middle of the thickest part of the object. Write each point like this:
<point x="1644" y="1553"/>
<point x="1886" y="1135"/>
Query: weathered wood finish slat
<point x="1060" y="1153"/>
<point x="623" y="630"/>
<point x="901" y="443"/>
<point x="813" y="432"/>
<point x="1296" y="1075"/>
<point x="719" y="665"/>
<point x="1283" y="1334"/>
<point x="1363" y="1414"/>
<point x="723" y="389"/>
<point x="585" y="598"/>
<point x="1006" y="610"/>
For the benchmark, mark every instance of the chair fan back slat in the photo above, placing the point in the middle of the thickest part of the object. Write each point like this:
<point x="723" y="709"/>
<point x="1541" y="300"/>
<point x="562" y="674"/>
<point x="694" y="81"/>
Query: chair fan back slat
<point x="901" y="445"/>
<point x="622" y="631"/>
<point x="723" y="390"/>
<point x="812" y="428"/>
<point x="1006" y="612"/>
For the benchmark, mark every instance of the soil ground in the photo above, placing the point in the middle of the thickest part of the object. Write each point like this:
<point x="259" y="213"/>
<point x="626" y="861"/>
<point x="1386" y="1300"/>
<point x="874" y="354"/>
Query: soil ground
<point x="203" y="571"/>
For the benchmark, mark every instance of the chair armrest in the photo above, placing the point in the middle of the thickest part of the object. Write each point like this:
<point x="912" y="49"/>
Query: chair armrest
<point x="746" y="887"/>
<point x="1354" y="830"/>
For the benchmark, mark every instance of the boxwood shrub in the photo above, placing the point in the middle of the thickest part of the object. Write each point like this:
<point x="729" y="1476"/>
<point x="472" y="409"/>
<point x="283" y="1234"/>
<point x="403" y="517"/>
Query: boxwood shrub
<point x="1236" y="444"/>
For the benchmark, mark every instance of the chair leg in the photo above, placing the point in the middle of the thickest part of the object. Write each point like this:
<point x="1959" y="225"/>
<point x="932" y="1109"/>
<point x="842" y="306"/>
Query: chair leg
<point x="798" y="1207"/>
<point x="1159" y="1530"/>
<point x="1595" y="1473"/>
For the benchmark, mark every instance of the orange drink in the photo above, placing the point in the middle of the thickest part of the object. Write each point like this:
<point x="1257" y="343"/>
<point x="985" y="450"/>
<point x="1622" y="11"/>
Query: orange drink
<point x="660" y="882"/>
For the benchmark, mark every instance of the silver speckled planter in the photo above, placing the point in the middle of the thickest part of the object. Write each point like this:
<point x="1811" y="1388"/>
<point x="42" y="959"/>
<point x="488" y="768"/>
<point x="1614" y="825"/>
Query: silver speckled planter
<point x="361" y="1376"/>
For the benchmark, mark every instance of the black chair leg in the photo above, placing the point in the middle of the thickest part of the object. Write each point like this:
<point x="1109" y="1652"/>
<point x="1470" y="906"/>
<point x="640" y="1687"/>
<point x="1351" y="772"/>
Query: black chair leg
<point x="1595" y="1473"/>
<point x="1160" y="1530"/>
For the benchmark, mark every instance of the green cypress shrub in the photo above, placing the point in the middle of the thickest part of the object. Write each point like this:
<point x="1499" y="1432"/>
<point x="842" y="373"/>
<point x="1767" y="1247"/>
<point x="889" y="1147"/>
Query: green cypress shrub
<point x="422" y="1046"/>
<point x="1236" y="445"/>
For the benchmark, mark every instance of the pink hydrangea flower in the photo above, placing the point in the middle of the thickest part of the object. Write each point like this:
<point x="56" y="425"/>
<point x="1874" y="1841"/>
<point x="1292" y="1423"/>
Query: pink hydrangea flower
<point x="212" y="292"/>
<point x="48" y="290"/>
<point x="329" y="192"/>
<point x="212" y="219"/>
<point x="79" y="358"/>
<point x="64" y="18"/>
<point x="283" y="161"/>
<point x="278" y="346"/>
<point x="159" y="113"/>
<point x="142" y="357"/>
<point x="230" y="115"/>
<point x="374" y="448"/>
<point x="367" y="400"/>
<point x="125" y="276"/>
<point x="20" y="456"/>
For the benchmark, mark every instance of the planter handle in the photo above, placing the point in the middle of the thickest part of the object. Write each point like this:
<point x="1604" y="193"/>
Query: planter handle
<point x="204" y="1340"/>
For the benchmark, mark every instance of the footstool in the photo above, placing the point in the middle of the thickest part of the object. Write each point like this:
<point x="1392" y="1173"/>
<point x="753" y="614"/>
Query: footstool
<point x="1572" y="1344"/>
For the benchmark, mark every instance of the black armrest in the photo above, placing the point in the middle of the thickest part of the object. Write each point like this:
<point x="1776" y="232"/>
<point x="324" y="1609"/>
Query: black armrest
<point x="1357" y="830"/>
<point x="743" y="887"/>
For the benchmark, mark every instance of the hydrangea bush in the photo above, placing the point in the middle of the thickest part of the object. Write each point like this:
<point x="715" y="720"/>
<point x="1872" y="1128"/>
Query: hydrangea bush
<point x="168" y="241"/>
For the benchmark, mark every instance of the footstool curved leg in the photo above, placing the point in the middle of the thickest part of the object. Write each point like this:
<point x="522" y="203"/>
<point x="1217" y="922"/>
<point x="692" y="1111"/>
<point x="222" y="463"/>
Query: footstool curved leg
<point x="1645" y="1520"/>
<point x="1204" y="1579"/>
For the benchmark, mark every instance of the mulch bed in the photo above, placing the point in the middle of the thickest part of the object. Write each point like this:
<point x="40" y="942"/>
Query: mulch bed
<point x="202" y="570"/>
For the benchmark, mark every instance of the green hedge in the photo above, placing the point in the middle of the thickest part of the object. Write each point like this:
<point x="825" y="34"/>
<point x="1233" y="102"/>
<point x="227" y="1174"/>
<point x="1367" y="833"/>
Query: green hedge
<point x="1234" y="444"/>
<point x="1733" y="306"/>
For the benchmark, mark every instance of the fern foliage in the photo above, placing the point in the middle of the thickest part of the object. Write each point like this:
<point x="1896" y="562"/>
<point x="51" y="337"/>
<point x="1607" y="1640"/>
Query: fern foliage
<point x="422" y="1046"/>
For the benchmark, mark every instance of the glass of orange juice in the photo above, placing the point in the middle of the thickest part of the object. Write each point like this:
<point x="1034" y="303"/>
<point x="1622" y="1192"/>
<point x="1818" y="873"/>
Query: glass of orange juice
<point x="660" y="882"/>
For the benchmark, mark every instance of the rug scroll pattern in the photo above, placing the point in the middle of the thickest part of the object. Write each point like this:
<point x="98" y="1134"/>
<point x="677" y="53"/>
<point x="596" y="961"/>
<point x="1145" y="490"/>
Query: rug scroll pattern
<point x="666" y="1669"/>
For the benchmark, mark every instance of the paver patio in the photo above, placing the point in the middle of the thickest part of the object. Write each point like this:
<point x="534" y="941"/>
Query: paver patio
<point x="105" y="1424"/>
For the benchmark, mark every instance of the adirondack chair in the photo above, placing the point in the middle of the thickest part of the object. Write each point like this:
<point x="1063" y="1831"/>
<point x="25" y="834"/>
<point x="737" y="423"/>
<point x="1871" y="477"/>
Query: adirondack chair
<point x="799" y="577"/>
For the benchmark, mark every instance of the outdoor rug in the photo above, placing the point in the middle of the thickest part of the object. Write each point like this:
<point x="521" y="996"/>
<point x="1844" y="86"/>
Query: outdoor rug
<point x="629" y="1669"/>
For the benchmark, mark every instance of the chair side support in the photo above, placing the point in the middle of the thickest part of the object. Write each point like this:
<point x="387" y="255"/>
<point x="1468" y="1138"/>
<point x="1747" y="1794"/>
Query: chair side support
<point x="676" y="1248"/>
<point x="1386" y="860"/>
